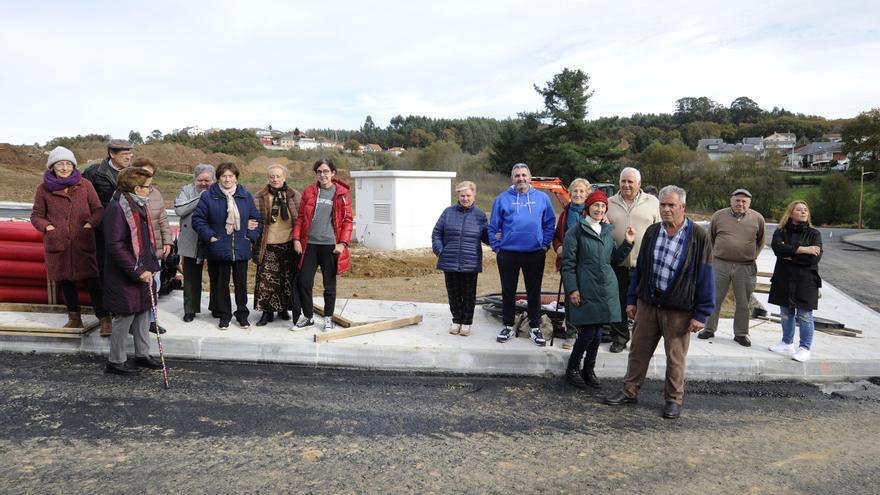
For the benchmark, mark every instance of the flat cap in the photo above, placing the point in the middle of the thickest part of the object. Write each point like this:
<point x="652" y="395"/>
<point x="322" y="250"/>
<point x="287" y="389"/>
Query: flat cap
<point x="119" y="144"/>
<point x="743" y="191"/>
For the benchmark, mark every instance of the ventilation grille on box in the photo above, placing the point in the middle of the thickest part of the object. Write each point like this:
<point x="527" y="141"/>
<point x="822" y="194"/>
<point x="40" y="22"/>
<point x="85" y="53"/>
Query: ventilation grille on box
<point x="382" y="213"/>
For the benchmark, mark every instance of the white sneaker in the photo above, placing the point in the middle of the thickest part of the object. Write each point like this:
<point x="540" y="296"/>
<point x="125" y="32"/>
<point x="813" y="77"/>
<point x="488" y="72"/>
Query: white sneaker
<point x="465" y="330"/>
<point x="801" y="355"/>
<point x="537" y="337"/>
<point x="303" y="322"/>
<point x="454" y="328"/>
<point x="782" y="348"/>
<point x="328" y="323"/>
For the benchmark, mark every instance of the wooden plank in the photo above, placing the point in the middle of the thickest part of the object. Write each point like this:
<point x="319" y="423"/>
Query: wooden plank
<point x="43" y="334"/>
<point x="765" y="274"/>
<point x="762" y="288"/>
<point x="40" y="308"/>
<point x="378" y="326"/>
<point x="342" y="322"/>
<point x="76" y="332"/>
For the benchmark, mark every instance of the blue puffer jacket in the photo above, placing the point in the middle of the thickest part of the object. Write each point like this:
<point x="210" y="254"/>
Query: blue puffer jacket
<point x="456" y="239"/>
<point x="209" y="220"/>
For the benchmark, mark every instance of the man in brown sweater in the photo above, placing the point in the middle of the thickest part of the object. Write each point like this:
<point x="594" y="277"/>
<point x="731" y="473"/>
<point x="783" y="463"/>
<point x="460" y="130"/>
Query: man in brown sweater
<point x="737" y="237"/>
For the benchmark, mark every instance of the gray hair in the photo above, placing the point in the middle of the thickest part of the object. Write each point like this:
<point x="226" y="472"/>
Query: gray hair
<point x="631" y="170"/>
<point x="202" y="168"/>
<point x="682" y="194"/>
<point x="280" y="167"/>
<point x="520" y="165"/>
<point x="582" y="182"/>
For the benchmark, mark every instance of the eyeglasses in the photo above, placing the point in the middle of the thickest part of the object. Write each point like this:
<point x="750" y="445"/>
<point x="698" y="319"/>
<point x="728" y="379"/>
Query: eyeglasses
<point x="322" y="171"/>
<point x="148" y="188"/>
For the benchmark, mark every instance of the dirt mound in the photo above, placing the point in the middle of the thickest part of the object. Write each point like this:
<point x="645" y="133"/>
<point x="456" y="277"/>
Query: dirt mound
<point x="22" y="158"/>
<point x="297" y="168"/>
<point x="180" y="158"/>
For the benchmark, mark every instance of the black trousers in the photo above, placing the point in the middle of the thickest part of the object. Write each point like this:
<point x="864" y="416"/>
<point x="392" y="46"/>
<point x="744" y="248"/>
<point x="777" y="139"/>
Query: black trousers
<point x="192" y="285"/>
<point x="318" y="255"/>
<point x="220" y="303"/>
<point x="620" y="331"/>
<point x="462" y="291"/>
<point x="586" y="347"/>
<point x="71" y="298"/>
<point x="532" y="265"/>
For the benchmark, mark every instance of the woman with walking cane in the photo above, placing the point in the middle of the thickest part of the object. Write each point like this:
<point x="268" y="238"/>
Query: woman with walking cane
<point x="589" y="254"/>
<point x="128" y="270"/>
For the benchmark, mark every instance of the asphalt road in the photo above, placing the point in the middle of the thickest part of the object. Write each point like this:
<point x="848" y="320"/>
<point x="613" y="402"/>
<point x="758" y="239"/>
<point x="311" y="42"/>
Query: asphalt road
<point x="853" y="270"/>
<point x="233" y="428"/>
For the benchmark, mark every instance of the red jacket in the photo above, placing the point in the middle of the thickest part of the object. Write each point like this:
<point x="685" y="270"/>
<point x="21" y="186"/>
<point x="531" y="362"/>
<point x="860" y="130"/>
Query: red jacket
<point x="342" y="219"/>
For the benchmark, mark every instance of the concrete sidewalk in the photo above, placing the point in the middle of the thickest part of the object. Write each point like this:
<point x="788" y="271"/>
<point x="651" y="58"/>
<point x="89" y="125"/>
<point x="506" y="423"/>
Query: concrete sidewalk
<point x="428" y="347"/>
<point x="869" y="239"/>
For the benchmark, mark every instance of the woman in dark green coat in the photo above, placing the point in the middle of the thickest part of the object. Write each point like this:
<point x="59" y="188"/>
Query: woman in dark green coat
<point x="589" y="255"/>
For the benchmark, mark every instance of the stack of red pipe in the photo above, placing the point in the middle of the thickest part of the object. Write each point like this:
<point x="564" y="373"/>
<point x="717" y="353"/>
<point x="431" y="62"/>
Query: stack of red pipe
<point x="23" y="266"/>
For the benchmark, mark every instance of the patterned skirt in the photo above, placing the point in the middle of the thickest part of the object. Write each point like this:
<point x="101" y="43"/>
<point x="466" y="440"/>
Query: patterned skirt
<point x="272" y="291"/>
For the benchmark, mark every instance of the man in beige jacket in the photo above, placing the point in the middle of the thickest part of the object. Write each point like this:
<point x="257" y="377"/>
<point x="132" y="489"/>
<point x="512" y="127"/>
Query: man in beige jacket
<point x="630" y="207"/>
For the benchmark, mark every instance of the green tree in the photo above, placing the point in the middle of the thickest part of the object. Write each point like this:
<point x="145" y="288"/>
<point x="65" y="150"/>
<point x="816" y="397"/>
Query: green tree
<point x="745" y="109"/>
<point x="351" y="145"/>
<point x="861" y="141"/>
<point x="156" y="135"/>
<point x="837" y="201"/>
<point x="135" y="137"/>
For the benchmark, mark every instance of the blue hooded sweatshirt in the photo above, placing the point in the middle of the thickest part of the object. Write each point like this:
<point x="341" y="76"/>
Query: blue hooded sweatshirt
<point x="526" y="221"/>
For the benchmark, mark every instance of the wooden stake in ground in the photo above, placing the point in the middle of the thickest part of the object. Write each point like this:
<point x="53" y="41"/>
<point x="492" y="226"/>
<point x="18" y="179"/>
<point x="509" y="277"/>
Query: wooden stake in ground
<point x="378" y="326"/>
<point x="342" y="322"/>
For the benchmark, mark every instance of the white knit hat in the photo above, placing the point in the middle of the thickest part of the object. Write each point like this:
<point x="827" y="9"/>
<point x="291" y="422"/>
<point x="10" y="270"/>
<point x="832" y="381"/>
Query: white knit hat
<point x="58" y="154"/>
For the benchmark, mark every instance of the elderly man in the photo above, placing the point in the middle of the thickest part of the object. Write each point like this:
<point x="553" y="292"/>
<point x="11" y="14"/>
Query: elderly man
<point x="671" y="295"/>
<point x="630" y="207"/>
<point x="103" y="177"/>
<point x="737" y="237"/>
<point x="525" y="220"/>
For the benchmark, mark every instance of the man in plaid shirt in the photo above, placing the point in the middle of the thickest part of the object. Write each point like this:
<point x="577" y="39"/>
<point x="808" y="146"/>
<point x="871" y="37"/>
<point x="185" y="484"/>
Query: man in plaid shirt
<point x="671" y="295"/>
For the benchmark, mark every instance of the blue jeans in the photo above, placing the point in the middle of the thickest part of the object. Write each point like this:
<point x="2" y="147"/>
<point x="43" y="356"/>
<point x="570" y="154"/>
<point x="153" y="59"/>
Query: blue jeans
<point x="805" y="322"/>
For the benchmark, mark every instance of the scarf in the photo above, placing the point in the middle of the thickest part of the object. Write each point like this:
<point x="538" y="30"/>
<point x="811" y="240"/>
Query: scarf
<point x="134" y="224"/>
<point x="575" y="212"/>
<point x="279" y="203"/>
<point x="233" y="219"/>
<point x="52" y="182"/>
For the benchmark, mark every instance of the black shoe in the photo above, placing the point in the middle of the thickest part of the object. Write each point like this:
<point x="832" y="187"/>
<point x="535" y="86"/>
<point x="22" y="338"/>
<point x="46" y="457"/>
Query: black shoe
<point x="265" y="318"/>
<point x="284" y="315"/>
<point x="148" y="362"/>
<point x="743" y="340"/>
<point x="671" y="410"/>
<point x="620" y="399"/>
<point x="224" y="325"/>
<point x="616" y="347"/>
<point x="242" y="322"/>
<point x="504" y="334"/>
<point x="153" y="328"/>
<point x="705" y="334"/>
<point x="188" y="317"/>
<point x="120" y="369"/>
<point x="573" y="378"/>
<point x="215" y="314"/>
<point x="590" y="378"/>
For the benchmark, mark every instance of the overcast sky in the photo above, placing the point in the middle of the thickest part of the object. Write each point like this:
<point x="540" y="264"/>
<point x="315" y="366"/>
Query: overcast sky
<point x="107" y="67"/>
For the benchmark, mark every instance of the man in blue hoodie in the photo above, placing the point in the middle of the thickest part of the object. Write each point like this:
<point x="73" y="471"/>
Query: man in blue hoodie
<point x="520" y="231"/>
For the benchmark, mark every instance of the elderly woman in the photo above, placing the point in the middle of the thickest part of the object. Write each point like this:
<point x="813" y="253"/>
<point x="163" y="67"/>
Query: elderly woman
<point x="588" y="257"/>
<point x="456" y="242"/>
<point x="161" y="229"/>
<point x="795" y="284"/>
<point x="275" y="289"/>
<point x="571" y="215"/>
<point x="188" y="240"/>
<point x="321" y="235"/>
<point x="228" y="223"/>
<point x="67" y="210"/>
<point x="128" y="269"/>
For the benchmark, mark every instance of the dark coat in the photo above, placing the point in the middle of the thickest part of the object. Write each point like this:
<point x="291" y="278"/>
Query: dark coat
<point x="456" y="239"/>
<point x="209" y="220"/>
<point x="70" y="247"/>
<point x="124" y="293"/>
<point x="263" y="202"/>
<point x="795" y="282"/>
<point x="341" y="218"/>
<point x="103" y="178"/>
<point x="587" y="267"/>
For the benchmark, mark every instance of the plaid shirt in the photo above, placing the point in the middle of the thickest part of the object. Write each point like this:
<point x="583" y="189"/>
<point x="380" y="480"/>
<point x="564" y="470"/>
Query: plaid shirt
<point x="667" y="253"/>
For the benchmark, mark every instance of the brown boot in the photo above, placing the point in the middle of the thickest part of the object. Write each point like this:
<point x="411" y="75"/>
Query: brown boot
<point x="106" y="326"/>
<point x="74" y="320"/>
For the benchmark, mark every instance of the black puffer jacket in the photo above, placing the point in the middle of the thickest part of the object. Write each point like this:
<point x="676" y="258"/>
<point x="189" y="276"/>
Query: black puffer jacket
<point x="103" y="178"/>
<point x="795" y="282"/>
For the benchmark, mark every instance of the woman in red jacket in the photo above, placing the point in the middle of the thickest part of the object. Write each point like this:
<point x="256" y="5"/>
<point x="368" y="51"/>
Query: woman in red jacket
<point x="67" y="211"/>
<point x="321" y="235"/>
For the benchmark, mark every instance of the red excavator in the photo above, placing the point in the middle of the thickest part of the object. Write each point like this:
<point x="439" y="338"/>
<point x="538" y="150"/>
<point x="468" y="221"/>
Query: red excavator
<point x="558" y="188"/>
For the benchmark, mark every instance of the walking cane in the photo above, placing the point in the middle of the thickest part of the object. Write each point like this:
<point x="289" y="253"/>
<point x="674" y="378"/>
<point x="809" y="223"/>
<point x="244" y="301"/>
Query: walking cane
<point x="158" y="339"/>
<point x="558" y="295"/>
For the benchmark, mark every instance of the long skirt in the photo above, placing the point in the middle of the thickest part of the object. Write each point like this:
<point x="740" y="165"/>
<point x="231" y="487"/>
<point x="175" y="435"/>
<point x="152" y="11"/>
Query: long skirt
<point x="272" y="291"/>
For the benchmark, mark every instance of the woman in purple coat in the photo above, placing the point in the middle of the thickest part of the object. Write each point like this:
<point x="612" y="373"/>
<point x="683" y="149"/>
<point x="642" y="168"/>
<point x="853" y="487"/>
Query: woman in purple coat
<point x="67" y="211"/>
<point x="129" y="264"/>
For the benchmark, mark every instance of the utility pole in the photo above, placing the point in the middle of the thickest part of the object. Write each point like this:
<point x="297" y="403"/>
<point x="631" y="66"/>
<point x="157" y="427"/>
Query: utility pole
<point x="862" y="191"/>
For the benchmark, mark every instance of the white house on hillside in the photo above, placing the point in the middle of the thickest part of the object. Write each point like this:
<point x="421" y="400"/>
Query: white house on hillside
<point x="306" y="143"/>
